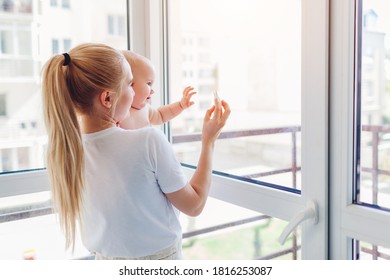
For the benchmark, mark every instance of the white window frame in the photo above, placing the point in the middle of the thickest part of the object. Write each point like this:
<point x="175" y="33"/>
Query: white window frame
<point x="24" y="182"/>
<point x="147" y="37"/>
<point x="347" y="220"/>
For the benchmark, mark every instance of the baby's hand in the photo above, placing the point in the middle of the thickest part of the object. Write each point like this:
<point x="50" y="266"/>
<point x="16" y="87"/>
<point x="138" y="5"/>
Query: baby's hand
<point x="185" y="101"/>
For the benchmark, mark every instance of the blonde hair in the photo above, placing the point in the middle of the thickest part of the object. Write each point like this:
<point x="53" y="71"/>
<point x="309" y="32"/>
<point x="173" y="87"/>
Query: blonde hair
<point x="135" y="59"/>
<point x="132" y="57"/>
<point x="67" y="91"/>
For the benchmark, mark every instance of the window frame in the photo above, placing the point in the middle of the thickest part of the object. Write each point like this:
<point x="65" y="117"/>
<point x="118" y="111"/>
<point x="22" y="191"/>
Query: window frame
<point x="348" y="221"/>
<point x="23" y="182"/>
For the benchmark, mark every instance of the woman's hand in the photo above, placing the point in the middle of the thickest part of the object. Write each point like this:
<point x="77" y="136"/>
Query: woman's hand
<point x="214" y="120"/>
<point x="192" y="198"/>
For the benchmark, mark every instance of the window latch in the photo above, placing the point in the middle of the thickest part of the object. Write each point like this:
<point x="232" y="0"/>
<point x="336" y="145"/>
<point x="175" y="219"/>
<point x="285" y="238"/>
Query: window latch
<point x="309" y="213"/>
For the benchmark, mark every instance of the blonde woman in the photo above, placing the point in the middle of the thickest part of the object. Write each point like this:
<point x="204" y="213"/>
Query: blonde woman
<point x="121" y="186"/>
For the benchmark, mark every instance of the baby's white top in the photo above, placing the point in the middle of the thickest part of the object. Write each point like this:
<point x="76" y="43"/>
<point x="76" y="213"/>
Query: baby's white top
<point x="126" y="213"/>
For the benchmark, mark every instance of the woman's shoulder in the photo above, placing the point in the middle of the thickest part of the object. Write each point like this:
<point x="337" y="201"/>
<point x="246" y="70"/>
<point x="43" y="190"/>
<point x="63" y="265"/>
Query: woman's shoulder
<point x="148" y="138"/>
<point x="144" y="134"/>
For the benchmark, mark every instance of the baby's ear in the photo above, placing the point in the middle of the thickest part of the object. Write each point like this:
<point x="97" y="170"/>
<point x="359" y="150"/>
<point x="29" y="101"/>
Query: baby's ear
<point x="105" y="99"/>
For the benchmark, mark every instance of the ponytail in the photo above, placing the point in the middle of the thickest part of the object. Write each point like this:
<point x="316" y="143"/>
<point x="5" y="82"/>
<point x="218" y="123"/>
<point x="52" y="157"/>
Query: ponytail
<point x="69" y="87"/>
<point x="65" y="161"/>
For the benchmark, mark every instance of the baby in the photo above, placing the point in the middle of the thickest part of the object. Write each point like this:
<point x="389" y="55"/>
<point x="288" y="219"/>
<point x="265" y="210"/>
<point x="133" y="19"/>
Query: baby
<point x="141" y="113"/>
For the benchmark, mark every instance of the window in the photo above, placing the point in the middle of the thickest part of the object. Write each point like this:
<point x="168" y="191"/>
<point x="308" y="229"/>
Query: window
<point x="26" y="43"/>
<point x="116" y="25"/>
<point x="15" y="39"/>
<point x="111" y="28"/>
<point x="61" y="46"/>
<point x="6" y="40"/>
<point x="66" y="4"/>
<point x="67" y="44"/>
<point x="254" y="70"/>
<point x="55" y="46"/>
<point x="3" y="105"/>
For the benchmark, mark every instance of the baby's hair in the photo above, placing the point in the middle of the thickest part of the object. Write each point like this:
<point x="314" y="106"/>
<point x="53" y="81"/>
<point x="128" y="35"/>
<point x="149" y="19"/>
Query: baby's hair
<point x="135" y="59"/>
<point x="132" y="57"/>
<point x="70" y="83"/>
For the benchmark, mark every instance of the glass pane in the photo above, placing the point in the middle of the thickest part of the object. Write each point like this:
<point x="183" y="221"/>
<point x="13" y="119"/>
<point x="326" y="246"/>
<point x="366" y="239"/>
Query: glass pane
<point x="3" y="106"/>
<point x="238" y="234"/>
<point x="374" y="183"/>
<point x="55" y="46"/>
<point x="66" y="3"/>
<point x="250" y="52"/>
<point x="368" y="251"/>
<point x="26" y="43"/>
<point x="67" y="44"/>
<point x="6" y="40"/>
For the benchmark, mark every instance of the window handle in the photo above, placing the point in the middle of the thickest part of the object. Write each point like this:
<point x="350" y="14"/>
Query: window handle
<point x="311" y="212"/>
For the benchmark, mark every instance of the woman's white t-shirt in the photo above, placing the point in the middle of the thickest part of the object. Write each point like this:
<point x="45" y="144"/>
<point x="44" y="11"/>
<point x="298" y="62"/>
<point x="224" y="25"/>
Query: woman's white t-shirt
<point x="125" y="212"/>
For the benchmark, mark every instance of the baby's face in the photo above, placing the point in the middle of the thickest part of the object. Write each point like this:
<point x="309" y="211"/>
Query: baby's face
<point x="142" y="84"/>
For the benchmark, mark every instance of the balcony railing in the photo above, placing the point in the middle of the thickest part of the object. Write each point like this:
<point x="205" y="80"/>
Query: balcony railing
<point x="293" y="130"/>
<point x="376" y="132"/>
<point x="374" y="170"/>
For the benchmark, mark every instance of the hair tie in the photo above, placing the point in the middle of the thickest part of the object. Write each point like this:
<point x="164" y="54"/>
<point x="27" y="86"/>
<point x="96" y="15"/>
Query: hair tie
<point x="67" y="59"/>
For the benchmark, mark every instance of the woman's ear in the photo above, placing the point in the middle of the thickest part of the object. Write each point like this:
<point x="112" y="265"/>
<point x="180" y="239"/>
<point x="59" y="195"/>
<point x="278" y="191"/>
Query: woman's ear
<point x="106" y="99"/>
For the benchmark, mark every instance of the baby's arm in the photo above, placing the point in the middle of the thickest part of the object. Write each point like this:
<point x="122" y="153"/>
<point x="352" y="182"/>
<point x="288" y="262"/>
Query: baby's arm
<point x="165" y="113"/>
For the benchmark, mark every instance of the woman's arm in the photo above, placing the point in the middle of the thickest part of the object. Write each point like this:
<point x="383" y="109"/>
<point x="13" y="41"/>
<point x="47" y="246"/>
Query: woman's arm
<point x="192" y="198"/>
